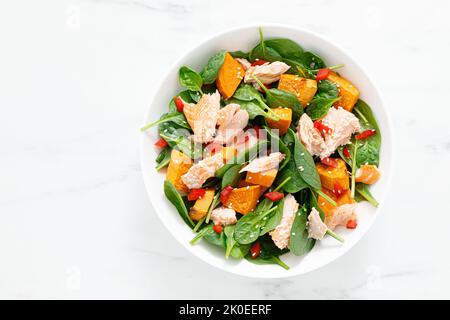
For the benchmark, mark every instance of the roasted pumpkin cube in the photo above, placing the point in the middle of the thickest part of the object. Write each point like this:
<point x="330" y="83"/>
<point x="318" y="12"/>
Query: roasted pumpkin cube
<point x="228" y="153"/>
<point x="201" y="205"/>
<point x="243" y="200"/>
<point x="303" y="88"/>
<point x="347" y="91"/>
<point x="329" y="175"/>
<point x="327" y="207"/>
<point x="285" y="115"/>
<point x="230" y="76"/>
<point x="179" y="164"/>
<point x="368" y="174"/>
<point x="265" y="178"/>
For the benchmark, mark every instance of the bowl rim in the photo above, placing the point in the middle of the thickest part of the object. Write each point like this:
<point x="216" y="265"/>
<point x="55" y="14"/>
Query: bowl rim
<point x="388" y="124"/>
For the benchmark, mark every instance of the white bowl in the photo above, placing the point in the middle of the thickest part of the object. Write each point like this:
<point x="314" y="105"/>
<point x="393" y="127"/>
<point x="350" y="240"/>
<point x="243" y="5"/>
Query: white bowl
<point x="244" y="38"/>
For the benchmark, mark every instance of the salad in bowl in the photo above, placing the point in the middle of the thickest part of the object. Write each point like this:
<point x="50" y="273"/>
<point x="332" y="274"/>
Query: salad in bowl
<point x="267" y="152"/>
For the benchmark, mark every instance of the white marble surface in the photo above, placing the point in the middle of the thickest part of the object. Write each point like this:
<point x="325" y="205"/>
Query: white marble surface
<point x="76" y="78"/>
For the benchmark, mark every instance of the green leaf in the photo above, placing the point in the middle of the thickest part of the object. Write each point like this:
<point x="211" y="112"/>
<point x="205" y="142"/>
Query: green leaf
<point x="275" y="139"/>
<point x="212" y="67"/>
<point x="285" y="47"/>
<point x="248" y="228"/>
<point x="234" y="249"/>
<point x="175" y="198"/>
<point x="252" y="107"/>
<point x="175" y="117"/>
<point x="368" y="149"/>
<point x="274" y="220"/>
<point x="179" y="138"/>
<point x="243" y="157"/>
<point x="279" y="98"/>
<point x="231" y="176"/>
<point x="239" y="54"/>
<point x="305" y="163"/>
<point x="326" y="89"/>
<point x="163" y="158"/>
<point x="312" y="61"/>
<point x="213" y="237"/>
<point x="319" y="107"/>
<point x="363" y="194"/>
<point x="190" y="79"/>
<point x="299" y="242"/>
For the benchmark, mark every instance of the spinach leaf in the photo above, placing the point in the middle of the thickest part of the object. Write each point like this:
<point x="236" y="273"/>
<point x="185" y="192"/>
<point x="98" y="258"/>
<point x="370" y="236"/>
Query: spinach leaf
<point x="269" y="253"/>
<point x="299" y="242"/>
<point x="175" y="198"/>
<point x="231" y="176"/>
<point x="243" y="157"/>
<point x="185" y="95"/>
<point x="254" y="98"/>
<point x="234" y="249"/>
<point x="275" y="139"/>
<point x="212" y="67"/>
<point x="179" y="138"/>
<point x="163" y="158"/>
<point x="279" y="98"/>
<point x="261" y="51"/>
<point x="195" y="95"/>
<point x="285" y="47"/>
<point x="175" y="117"/>
<point x="273" y="220"/>
<point x="305" y="163"/>
<point x="239" y="54"/>
<point x="312" y="61"/>
<point x="327" y="89"/>
<point x="268" y="260"/>
<point x="264" y="53"/>
<point x="293" y="185"/>
<point x="315" y="204"/>
<point x="319" y="107"/>
<point x="214" y="238"/>
<point x="190" y="79"/>
<point x="252" y="107"/>
<point x="248" y="227"/>
<point x="368" y="149"/>
<point x="363" y="194"/>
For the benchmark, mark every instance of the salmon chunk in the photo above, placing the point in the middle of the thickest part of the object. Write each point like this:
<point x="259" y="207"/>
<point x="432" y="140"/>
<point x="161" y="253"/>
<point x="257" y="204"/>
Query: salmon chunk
<point x="201" y="171"/>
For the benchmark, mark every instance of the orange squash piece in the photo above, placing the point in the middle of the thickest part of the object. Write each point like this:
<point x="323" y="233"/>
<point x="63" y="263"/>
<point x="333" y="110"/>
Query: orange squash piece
<point x="347" y="91"/>
<point x="228" y="153"/>
<point x="265" y="178"/>
<point x="201" y="205"/>
<point x="368" y="174"/>
<point x="327" y="207"/>
<point x="285" y="115"/>
<point x="303" y="88"/>
<point x="329" y="175"/>
<point x="243" y="200"/>
<point x="179" y="164"/>
<point x="230" y="76"/>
